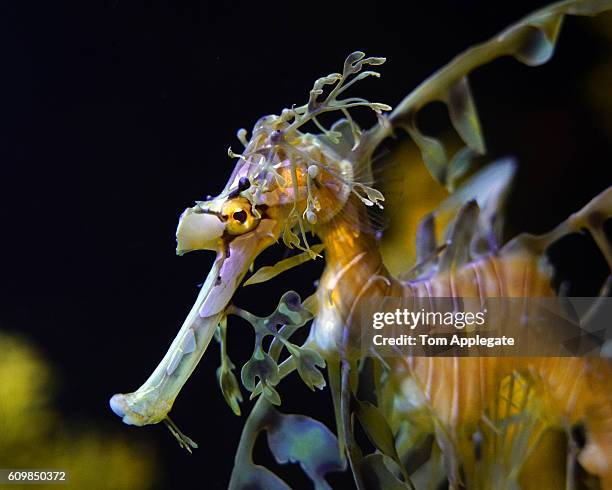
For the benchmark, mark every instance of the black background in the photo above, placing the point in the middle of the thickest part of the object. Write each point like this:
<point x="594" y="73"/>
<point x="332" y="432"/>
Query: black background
<point x="117" y="115"/>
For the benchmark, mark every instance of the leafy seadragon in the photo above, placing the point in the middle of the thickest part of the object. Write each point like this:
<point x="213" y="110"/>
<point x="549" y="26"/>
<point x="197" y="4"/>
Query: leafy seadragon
<point x="479" y="422"/>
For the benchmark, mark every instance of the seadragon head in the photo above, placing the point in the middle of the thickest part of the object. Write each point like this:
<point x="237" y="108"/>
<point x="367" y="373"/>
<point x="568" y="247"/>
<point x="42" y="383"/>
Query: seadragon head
<point x="287" y="182"/>
<point x="293" y="179"/>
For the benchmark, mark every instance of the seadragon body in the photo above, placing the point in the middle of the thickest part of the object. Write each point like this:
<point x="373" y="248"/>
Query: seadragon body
<point x="477" y="422"/>
<point x="454" y="393"/>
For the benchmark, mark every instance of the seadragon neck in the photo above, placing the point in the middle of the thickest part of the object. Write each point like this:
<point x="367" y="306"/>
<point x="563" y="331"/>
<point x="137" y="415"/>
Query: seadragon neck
<point x="354" y="272"/>
<point x="348" y="235"/>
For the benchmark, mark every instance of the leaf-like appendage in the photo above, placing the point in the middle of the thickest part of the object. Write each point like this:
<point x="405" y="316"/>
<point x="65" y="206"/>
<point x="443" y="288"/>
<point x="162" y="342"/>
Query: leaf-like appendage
<point x="377" y="428"/>
<point x="229" y="386"/>
<point x="291" y="309"/>
<point x="473" y="237"/>
<point x="432" y="151"/>
<point x="462" y="112"/>
<point x="291" y="315"/>
<point x="464" y="227"/>
<point x="489" y="187"/>
<point x="300" y="439"/>
<point x="292" y="439"/>
<point x="265" y="369"/>
<point x="268" y="272"/>
<point x="376" y="474"/>
<point x="425" y="239"/>
<point x="379" y="432"/>
<point x="372" y="196"/>
<point x="462" y="163"/>
<point x="290" y="239"/>
<point x="317" y="89"/>
<point x="306" y="361"/>
<point x="531" y="41"/>
<point x="225" y="373"/>
<point x="592" y="217"/>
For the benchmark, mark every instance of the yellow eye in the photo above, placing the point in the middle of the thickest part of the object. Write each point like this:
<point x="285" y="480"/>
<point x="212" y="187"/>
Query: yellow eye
<point x="239" y="217"/>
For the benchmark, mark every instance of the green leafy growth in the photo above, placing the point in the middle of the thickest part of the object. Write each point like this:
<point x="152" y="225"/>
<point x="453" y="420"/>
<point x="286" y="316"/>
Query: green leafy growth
<point x="377" y="475"/>
<point x="531" y="41"/>
<point x="303" y="440"/>
<point x="292" y="439"/>
<point x="378" y="431"/>
<point x="225" y="375"/>
<point x="229" y="386"/>
<point x="262" y="367"/>
<point x="339" y="82"/>
<point x="246" y="474"/>
<point x="376" y="427"/>
<point x="268" y="272"/>
<point x="306" y="361"/>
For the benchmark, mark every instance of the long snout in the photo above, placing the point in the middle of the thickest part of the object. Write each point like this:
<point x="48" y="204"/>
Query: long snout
<point x="151" y="403"/>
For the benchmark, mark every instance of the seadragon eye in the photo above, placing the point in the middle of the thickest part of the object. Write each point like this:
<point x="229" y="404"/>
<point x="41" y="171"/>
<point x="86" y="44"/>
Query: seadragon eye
<point x="239" y="218"/>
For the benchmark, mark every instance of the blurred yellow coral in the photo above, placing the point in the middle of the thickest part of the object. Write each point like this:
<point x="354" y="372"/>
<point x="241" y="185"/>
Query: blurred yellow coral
<point x="34" y="436"/>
